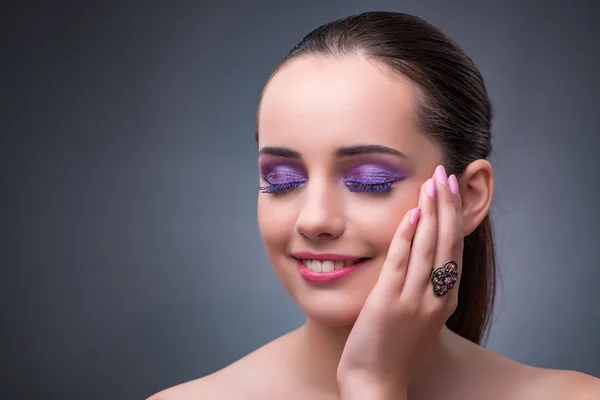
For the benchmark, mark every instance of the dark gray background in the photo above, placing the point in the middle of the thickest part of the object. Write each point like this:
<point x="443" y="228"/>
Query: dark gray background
<point x="131" y="256"/>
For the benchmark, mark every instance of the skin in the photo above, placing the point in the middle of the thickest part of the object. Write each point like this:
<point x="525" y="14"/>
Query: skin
<point x="382" y="320"/>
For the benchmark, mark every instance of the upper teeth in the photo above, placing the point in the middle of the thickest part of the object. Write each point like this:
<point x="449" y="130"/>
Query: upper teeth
<point x="326" y="266"/>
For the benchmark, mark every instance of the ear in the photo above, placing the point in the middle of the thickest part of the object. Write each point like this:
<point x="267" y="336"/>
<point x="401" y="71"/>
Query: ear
<point x="476" y="186"/>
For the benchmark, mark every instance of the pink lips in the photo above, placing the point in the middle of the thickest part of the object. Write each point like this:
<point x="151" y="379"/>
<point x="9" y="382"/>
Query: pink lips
<point x="324" y="277"/>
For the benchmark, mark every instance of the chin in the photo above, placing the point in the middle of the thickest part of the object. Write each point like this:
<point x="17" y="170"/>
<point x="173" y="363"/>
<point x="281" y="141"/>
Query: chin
<point x="341" y="314"/>
<point x="335" y="305"/>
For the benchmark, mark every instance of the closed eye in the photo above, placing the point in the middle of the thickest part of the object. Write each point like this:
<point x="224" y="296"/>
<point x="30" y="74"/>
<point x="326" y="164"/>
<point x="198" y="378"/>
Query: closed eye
<point x="368" y="187"/>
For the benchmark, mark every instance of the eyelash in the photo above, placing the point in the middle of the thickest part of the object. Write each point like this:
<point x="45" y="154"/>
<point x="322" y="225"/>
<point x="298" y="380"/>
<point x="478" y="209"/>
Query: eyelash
<point x="279" y="187"/>
<point x="356" y="187"/>
<point x="368" y="187"/>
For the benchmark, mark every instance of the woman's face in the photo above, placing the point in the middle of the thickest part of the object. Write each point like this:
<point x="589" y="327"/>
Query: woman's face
<point x="342" y="160"/>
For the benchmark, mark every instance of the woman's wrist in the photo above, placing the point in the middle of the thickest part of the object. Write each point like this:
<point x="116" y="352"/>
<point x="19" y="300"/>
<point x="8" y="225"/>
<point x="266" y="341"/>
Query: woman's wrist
<point x="359" y="388"/>
<point x="372" y="393"/>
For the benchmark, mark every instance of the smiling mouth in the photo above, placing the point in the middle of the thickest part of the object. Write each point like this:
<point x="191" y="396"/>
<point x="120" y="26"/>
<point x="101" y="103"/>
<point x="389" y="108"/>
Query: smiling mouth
<point x="329" y="265"/>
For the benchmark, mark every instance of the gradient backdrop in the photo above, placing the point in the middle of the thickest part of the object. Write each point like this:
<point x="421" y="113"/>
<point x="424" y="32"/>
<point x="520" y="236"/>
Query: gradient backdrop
<point x="131" y="258"/>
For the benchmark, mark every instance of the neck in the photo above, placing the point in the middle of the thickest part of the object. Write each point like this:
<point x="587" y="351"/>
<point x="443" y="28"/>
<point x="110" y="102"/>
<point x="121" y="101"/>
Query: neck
<point x="322" y="347"/>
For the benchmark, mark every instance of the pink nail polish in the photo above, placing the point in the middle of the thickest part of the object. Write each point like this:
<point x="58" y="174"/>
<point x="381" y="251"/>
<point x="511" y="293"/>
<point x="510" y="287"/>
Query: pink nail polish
<point x="440" y="175"/>
<point x="414" y="215"/>
<point x="453" y="184"/>
<point x="430" y="188"/>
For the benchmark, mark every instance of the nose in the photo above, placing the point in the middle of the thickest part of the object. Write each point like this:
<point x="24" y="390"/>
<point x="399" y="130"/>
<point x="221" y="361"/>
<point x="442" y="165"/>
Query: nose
<point x="321" y="216"/>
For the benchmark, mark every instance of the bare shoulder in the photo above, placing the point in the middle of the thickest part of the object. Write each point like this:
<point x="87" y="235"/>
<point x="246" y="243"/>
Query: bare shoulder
<point x="246" y="378"/>
<point x="503" y="378"/>
<point x="207" y="387"/>
<point x="560" y="384"/>
<point x="573" y="385"/>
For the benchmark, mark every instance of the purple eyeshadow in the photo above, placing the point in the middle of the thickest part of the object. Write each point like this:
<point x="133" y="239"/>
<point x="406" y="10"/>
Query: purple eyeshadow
<point x="368" y="177"/>
<point x="283" y="174"/>
<point x="373" y="174"/>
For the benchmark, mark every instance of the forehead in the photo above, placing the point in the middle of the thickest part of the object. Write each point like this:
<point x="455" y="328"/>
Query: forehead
<point x="317" y="102"/>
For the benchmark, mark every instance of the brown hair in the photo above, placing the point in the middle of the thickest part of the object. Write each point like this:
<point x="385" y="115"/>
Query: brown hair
<point x="453" y="109"/>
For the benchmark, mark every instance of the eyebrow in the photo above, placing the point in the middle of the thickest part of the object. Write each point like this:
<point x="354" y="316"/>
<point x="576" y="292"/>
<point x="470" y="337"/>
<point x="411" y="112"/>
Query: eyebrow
<point x="341" y="152"/>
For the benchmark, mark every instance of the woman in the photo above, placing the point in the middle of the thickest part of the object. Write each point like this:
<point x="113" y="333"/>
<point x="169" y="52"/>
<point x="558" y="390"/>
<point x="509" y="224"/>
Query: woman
<point x="373" y="135"/>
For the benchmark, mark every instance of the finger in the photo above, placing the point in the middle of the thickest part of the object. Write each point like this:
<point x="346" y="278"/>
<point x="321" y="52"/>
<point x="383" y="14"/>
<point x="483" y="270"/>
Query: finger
<point x="455" y="189"/>
<point x="449" y="243"/>
<point x="424" y="244"/>
<point x="393" y="273"/>
<point x="460" y="238"/>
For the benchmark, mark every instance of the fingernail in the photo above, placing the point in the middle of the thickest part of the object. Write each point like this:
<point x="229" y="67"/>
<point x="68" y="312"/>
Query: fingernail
<point x="440" y="175"/>
<point x="453" y="184"/>
<point x="430" y="188"/>
<point x="414" y="215"/>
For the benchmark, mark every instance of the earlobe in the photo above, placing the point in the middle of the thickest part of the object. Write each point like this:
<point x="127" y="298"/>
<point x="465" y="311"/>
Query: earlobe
<point x="477" y="191"/>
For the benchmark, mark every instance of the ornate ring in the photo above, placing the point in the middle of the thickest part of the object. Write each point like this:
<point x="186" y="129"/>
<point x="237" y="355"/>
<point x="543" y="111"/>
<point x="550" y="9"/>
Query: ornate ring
<point x="444" y="278"/>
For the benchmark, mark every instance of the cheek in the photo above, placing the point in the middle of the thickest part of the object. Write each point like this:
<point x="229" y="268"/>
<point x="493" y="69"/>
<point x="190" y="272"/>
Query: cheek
<point x="378" y="225"/>
<point x="377" y="219"/>
<point x="276" y="221"/>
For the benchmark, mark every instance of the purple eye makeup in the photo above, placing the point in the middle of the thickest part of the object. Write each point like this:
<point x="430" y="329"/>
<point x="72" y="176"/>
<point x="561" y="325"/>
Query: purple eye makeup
<point x="372" y="177"/>
<point x="281" y="177"/>
<point x="358" y="169"/>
